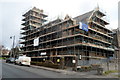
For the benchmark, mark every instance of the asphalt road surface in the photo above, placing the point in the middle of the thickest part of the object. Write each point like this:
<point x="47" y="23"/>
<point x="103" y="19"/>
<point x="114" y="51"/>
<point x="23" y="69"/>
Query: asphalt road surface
<point x="16" y="71"/>
<point x="23" y="72"/>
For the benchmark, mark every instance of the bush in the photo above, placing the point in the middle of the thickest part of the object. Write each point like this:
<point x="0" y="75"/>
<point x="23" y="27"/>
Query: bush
<point x="46" y="64"/>
<point x="85" y="68"/>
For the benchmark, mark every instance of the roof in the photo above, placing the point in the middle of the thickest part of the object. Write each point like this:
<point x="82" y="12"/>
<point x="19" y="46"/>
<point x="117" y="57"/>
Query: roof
<point x="83" y="17"/>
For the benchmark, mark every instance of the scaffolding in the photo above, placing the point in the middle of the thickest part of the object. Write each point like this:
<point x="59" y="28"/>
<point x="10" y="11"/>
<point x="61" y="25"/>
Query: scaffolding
<point x="64" y="37"/>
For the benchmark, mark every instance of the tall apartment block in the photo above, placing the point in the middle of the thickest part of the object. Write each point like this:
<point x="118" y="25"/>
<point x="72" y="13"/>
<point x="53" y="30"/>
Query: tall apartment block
<point x="83" y="40"/>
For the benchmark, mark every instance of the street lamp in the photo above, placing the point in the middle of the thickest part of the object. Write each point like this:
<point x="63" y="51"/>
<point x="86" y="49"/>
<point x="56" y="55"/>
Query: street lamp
<point x="13" y="54"/>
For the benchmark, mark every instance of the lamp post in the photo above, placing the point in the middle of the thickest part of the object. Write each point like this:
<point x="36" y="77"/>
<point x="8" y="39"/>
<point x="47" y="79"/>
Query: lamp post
<point x="13" y="54"/>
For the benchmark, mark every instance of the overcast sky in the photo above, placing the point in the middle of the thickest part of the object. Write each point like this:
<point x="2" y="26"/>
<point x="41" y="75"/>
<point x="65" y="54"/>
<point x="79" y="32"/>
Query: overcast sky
<point x="12" y="10"/>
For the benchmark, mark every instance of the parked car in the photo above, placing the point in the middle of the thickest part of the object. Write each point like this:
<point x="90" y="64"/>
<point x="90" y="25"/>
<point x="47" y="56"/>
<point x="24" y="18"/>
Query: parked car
<point x="10" y="60"/>
<point x="23" y="60"/>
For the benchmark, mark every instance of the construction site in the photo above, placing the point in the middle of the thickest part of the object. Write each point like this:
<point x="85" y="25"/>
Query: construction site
<point x="68" y="42"/>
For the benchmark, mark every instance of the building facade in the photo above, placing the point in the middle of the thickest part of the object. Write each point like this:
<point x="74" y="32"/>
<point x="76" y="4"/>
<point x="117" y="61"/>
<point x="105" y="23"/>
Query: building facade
<point x="116" y="42"/>
<point x="83" y="40"/>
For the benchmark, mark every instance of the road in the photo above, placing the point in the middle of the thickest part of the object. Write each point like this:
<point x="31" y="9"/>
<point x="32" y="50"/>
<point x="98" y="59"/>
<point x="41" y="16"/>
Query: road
<point x="16" y="71"/>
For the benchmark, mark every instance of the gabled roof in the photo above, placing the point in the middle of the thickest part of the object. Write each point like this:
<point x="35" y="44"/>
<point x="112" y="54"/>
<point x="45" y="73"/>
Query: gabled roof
<point x="83" y="17"/>
<point x="67" y="17"/>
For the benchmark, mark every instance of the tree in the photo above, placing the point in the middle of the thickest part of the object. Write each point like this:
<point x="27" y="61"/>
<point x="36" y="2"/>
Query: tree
<point x="1" y="47"/>
<point x="14" y="52"/>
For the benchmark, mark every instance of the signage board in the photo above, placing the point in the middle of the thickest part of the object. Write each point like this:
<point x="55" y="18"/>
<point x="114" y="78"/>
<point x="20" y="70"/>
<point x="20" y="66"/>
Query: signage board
<point x="43" y="53"/>
<point x="36" y="42"/>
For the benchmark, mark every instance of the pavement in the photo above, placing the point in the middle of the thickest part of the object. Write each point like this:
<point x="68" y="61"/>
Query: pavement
<point x="89" y="74"/>
<point x="54" y="70"/>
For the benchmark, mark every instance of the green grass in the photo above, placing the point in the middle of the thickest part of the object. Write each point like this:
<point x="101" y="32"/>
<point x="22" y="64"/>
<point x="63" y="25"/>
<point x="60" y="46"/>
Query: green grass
<point x="110" y="71"/>
<point x="2" y="58"/>
<point x="117" y="75"/>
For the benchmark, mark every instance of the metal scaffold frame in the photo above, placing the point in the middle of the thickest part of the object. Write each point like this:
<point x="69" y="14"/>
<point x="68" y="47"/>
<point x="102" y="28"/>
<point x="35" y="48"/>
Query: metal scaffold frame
<point x="64" y="37"/>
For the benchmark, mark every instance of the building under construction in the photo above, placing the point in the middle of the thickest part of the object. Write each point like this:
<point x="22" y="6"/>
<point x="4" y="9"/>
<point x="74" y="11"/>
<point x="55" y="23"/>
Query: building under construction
<point x="71" y="40"/>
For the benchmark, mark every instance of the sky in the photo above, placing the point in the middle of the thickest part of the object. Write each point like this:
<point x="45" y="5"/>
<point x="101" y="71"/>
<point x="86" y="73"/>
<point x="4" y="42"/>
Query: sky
<point x="12" y="10"/>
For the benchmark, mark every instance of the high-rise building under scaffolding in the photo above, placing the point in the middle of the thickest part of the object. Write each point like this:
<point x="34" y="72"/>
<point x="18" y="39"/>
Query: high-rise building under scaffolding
<point x="84" y="37"/>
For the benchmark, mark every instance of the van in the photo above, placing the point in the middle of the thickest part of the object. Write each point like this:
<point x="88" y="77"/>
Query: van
<point x="23" y="60"/>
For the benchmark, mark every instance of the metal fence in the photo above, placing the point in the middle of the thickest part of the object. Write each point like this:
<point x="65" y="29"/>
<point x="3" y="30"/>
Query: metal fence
<point x="104" y="63"/>
<point x="91" y="61"/>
